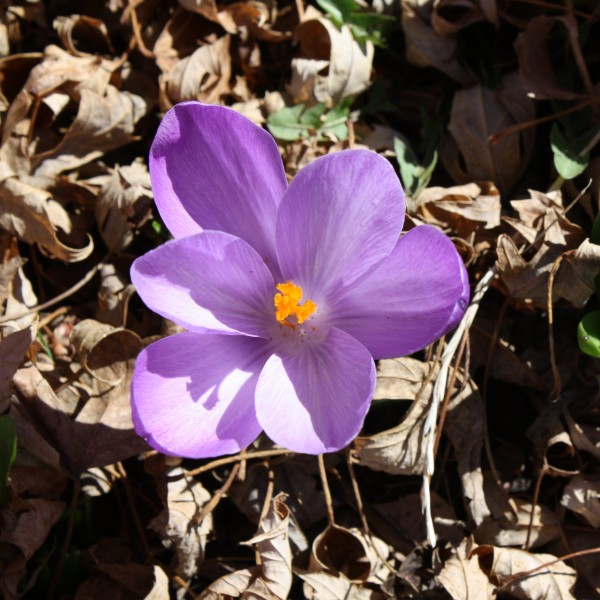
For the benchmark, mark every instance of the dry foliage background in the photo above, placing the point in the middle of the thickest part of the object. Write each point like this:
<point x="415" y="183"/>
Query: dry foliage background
<point x="490" y="109"/>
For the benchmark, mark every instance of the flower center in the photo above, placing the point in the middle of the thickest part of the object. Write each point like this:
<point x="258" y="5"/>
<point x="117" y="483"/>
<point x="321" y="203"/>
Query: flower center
<point x="287" y="305"/>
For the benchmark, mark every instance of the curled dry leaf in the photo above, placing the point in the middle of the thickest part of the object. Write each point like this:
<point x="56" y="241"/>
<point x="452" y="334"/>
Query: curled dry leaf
<point x="123" y="205"/>
<point x="465" y="428"/>
<point x="450" y="16"/>
<point x="425" y="47"/>
<point x="516" y="526"/>
<point x="400" y="450"/>
<point x="476" y="114"/>
<point x="555" y="581"/>
<point x="107" y="353"/>
<point x="26" y="525"/>
<point x="582" y="496"/>
<point x="204" y="75"/>
<point x="113" y="296"/>
<point x="34" y="216"/>
<point x="177" y="523"/>
<point x="462" y="576"/>
<point x="536" y="68"/>
<point x="93" y="432"/>
<point x="347" y="552"/>
<point x="14" y="343"/>
<point x="93" y="32"/>
<point x="333" y="65"/>
<point x="461" y="210"/>
<point x="271" y="580"/>
<point x="324" y="586"/>
<point x="251" y="20"/>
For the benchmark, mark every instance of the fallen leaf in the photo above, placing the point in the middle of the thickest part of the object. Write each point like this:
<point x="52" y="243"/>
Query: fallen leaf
<point x="462" y="576"/>
<point x="177" y="524"/>
<point x="203" y="76"/>
<point x="333" y="66"/>
<point x="123" y="205"/>
<point x="425" y="47"/>
<point x="555" y="581"/>
<point x="581" y="495"/>
<point x="400" y="450"/>
<point x="476" y="114"/>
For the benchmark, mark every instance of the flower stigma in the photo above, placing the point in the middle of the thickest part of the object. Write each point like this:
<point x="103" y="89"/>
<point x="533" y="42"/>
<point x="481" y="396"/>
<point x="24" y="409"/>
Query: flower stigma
<point x="286" y="302"/>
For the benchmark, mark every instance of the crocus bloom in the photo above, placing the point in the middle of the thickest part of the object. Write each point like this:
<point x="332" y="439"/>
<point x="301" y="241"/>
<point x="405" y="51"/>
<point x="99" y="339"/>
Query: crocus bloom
<point x="287" y="292"/>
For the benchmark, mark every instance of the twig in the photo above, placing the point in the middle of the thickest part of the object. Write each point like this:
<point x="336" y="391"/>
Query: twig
<point x="137" y="31"/>
<point x="62" y="296"/>
<point x="326" y="490"/>
<point x="439" y="389"/>
<point x="230" y="459"/>
<point x="214" y="501"/>
<point x="555" y="372"/>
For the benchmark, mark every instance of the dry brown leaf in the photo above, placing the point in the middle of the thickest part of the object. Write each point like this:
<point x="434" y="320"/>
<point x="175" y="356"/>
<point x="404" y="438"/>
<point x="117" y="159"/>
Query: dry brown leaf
<point x="582" y="496"/>
<point x="103" y="122"/>
<point x="347" y="552"/>
<point x="461" y="210"/>
<point x="400" y="450"/>
<point x="176" y="524"/>
<point x="98" y="433"/>
<point x="123" y="205"/>
<point x="450" y="16"/>
<point x="402" y="519"/>
<point x="425" y="47"/>
<point x="203" y="76"/>
<point x="26" y="525"/>
<point x="551" y="583"/>
<point x="105" y="352"/>
<point x="584" y="435"/>
<point x="323" y="586"/>
<point x="273" y="579"/>
<point x="516" y="527"/>
<point x="465" y="428"/>
<point x="463" y="578"/>
<point x="206" y="8"/>
<point x="575" y="281"/>
<point x="333" y="65"/>
<point x="34" y="216"/>
<point x="535" y="61"/>
<point x="14" y="343"/>
<point x="74" y="29"/>
<point x="251" y="20"/>
<point x="114" y="294"/>
<point x="476" y="114"/>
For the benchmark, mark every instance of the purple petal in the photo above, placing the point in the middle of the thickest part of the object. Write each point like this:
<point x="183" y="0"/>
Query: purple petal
<point x="411" y="299"/>
<point x="212" y="168"/>
<point x="315" y="400"/>
<point x="210" y="282"/>
<point x="341" y="215"/>
<point x="193" y="395"/>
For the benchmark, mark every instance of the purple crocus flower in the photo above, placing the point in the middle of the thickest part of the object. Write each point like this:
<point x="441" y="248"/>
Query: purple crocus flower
<point x="287" y="292"/>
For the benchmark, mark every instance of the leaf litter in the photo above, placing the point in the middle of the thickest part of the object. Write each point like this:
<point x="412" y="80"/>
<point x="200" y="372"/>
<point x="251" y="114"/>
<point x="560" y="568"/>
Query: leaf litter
<point x="489" y="112"/>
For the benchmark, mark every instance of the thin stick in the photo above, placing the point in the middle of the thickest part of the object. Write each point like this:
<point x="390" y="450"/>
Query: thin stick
<point x="39" y="307"/>
<point x="230" y="459"/>
<point x="536" y="497"/>
<point x="326" y="490"/>
<point x="439" y="390"/>
<point x="214" y="501"/>
<point x="555" y="372"/>
<point x="495" y="137"/>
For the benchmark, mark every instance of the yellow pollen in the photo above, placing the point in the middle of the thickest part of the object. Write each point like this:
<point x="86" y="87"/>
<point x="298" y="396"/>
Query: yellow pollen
<point x="286" y="304"/>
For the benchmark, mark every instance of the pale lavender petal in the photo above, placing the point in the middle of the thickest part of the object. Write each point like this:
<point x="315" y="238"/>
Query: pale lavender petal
<point x="212" y="168"/>
<point x="315" y="400"/>
<point x="210" y="282"/>
<point x="411" y="299"/>
<point x="341" y="215"/>
<point x="192" y="395"/>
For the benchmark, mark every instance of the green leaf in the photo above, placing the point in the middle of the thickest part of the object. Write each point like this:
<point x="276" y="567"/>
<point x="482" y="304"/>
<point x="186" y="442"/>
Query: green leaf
<point x="567" y="159"/>
<point x="8" y="453"/>
<point x="285" y="124"/>
<point x="296" y="122"/>
<point x="338" y="10"/>
<point x="588" y="334"/>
